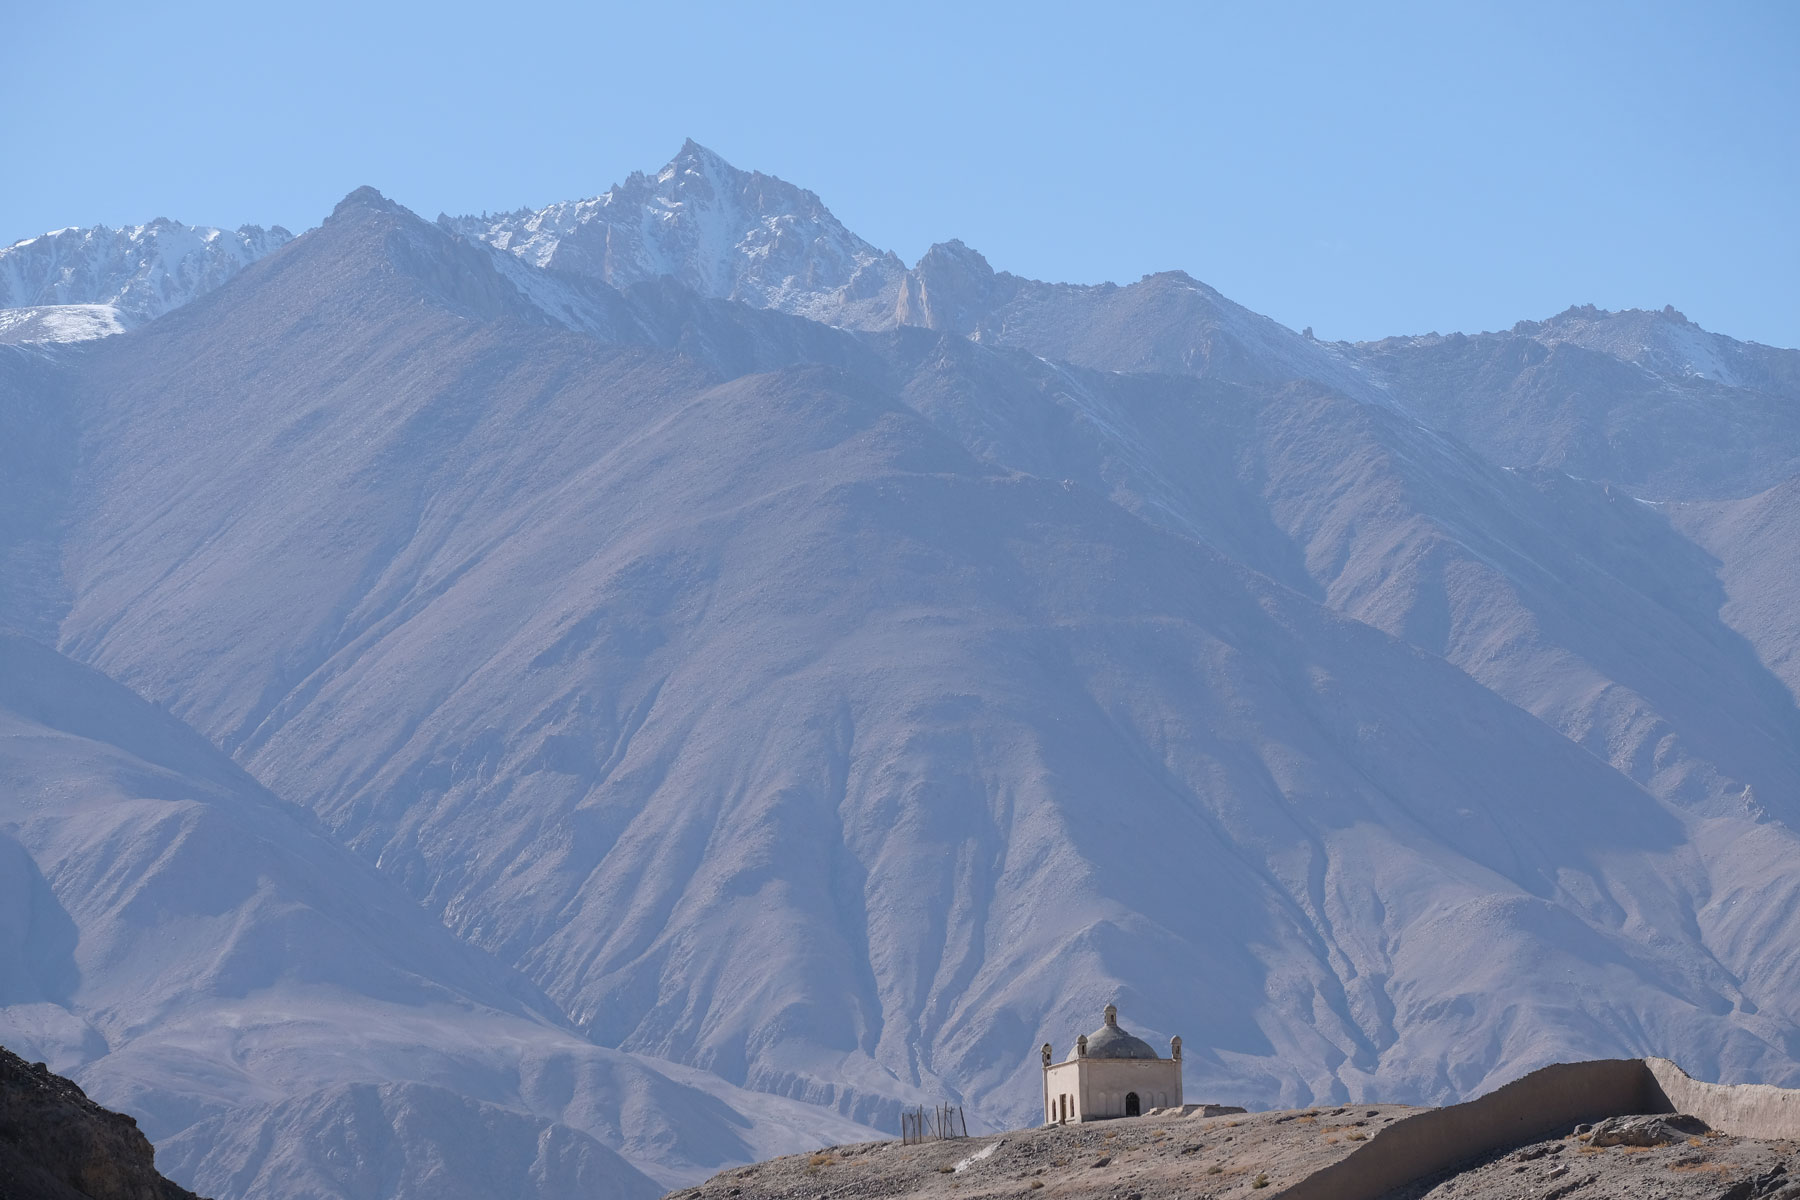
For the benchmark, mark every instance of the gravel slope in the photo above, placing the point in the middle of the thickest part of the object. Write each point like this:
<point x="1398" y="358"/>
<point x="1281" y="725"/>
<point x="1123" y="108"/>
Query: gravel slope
<point x="1199" y="1158"/>
<point x="1152" y="1156"/>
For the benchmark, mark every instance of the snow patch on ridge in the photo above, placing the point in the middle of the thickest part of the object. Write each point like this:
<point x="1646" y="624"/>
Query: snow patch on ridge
<point x="61" y="323"/>
<point x="141" y="271"/>
<point x="1664" y="343"/>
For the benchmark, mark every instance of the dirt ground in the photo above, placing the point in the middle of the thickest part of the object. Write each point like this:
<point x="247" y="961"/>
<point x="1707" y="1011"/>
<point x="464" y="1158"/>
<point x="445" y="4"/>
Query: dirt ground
<point x="1151" y="1157"/>
<point x="1708" y="1167"/>
<point x="1252" y="1155"/>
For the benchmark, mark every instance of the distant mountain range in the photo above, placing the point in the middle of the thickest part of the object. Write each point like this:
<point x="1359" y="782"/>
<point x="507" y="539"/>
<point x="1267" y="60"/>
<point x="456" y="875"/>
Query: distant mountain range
<point x="75" y="284"/>
<point x="656" y="682"/>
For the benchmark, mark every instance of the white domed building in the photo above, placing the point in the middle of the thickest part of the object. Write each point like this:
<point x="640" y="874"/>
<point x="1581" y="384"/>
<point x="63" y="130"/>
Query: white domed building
<point x="1110" y="1074"/>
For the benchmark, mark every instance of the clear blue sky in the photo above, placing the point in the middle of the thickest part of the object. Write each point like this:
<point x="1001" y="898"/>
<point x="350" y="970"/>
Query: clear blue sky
<point x="1365" y="169"/>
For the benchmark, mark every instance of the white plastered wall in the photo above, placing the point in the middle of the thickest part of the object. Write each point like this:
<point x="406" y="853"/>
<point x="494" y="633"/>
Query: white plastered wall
<point x="1096" y="1088"/>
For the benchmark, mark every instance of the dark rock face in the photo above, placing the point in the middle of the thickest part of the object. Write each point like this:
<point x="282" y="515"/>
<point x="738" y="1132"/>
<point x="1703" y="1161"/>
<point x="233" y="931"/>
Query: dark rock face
<point x="56" y="1144"/>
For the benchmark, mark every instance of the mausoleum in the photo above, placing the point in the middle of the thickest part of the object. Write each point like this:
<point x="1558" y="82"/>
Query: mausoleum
<point x="1110" y="1074"/>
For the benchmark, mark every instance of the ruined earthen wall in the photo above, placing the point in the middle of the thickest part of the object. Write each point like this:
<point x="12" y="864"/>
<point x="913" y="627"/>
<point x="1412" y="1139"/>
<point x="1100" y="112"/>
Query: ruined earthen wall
<point x="1542" y="1104"/>
<point x="1548" y="1101"/>
<point x="1752" y="1110"/>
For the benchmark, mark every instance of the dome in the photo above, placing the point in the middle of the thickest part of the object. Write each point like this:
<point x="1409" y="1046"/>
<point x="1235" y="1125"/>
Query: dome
<point x="1109" y="1041"/>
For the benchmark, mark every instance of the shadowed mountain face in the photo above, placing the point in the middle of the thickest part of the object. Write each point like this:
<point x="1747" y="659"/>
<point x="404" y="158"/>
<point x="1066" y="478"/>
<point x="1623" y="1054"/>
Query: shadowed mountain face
<point x="842" y="712"/>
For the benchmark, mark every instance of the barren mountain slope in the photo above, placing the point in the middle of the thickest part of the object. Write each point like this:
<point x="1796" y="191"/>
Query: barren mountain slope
<point x="1165" y="324"/>
<point x="843" y="707"/>
<point x="193" y="952"/>
<point x="1646" y="401"/>
<point x="769" y="730"/>
<point x="37" y="457"/>
<point x="1572" y="600"/>
<point x="1757" y="544"/>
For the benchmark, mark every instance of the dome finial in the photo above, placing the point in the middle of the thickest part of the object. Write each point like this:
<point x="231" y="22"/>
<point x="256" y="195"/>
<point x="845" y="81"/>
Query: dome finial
<point x="1111" y="1040"/>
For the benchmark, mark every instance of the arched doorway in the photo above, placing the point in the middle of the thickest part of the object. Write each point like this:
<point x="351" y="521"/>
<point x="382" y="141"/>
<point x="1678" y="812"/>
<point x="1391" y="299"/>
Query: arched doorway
<point x="1131" y="1104"/>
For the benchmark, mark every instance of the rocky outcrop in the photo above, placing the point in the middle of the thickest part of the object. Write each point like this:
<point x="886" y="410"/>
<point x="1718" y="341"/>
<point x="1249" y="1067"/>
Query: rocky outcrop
<point x="1644" y="1131"/>
<point x="952" y="290"/>
<point x="56" y="1144"/>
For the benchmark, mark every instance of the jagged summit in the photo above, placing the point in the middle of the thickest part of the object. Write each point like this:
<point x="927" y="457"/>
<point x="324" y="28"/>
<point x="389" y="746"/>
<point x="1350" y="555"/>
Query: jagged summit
<point x="951" y="289"/>
<point x="697" y="159"/>
<point x="725" y="232"/>
<point x="742" y="235"/>
<point x="1663" y="342"/>
<point x="960" y="250"/>
<point x="366" y="197"/>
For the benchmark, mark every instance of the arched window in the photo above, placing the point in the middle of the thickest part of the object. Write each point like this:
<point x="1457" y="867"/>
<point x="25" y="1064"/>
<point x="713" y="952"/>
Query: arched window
<point x="1132" y="1107"/>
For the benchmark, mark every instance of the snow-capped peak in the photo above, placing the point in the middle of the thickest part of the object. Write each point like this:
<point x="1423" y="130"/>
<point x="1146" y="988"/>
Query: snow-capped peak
<point x="140" y="271"/>
<point x="693" y="159"/>
<point x="726" y="233"/>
